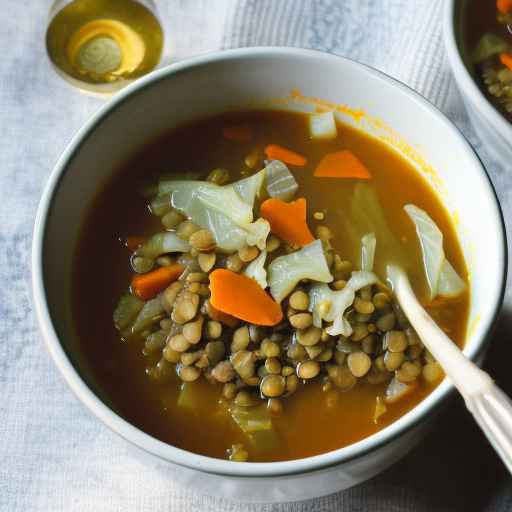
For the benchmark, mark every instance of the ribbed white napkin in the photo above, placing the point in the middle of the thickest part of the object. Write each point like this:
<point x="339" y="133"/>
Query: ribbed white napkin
<point x="54" y="456"/>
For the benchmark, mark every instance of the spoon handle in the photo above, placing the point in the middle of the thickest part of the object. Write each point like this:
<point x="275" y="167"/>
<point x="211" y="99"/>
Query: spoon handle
<point x="493" y="412"/>
<point x="491" y="408"/>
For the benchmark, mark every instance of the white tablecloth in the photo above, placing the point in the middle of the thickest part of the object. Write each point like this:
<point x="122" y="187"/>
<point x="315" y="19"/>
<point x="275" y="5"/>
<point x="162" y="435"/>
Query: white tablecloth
<point x="54" y="455"/>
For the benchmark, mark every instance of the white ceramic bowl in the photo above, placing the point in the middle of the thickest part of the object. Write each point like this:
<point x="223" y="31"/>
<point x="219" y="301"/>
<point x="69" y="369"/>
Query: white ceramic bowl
<point x="248" y="78"/>
<point x="487" y="120"/>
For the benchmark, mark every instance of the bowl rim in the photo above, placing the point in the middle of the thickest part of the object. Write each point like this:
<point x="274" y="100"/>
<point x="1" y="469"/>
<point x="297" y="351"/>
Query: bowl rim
<point x="185" y="458"/>
<point x="466" y="82"/>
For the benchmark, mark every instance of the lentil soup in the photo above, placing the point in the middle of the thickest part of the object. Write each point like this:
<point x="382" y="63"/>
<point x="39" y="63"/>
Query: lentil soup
<point x="276" y="336"/>
<point x="488" y="37"/>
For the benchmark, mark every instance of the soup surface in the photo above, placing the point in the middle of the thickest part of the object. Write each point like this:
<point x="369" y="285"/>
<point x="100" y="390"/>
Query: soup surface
<point x="344" y="401"/>
<point x="488" y="38"/>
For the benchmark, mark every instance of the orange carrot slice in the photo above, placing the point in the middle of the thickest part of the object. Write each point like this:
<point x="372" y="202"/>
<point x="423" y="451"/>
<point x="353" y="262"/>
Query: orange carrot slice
<point x="342" y="164"/>
<point x="133" y="242"/>
<point x="147" y="286"/>
<point x="242" y="297"/>
<point x="504" y="6"/>
<point x="237" y="133"/>
<point x="506" y="59"/>
<point x="275" y="152"/>
<point x="288" y="220"/>
<point x="221" y="317"/>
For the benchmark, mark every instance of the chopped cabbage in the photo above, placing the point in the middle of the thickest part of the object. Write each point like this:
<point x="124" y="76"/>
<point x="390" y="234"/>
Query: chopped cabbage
<point x="450" y="284"/>
<point x="227" y="211"/>
<point x="489" y="45"/>
<point x="126" y="311"/>
<point x="397" y="390"/>
<point x="339" y="301"/>
<point x="380" y="409"/>
<point x="280" y="181"/>
<point x="221" y="210"/>
<point x="393" y="274"/>
<point x="151" y="313"/>
<point x="256" y="270"/>
<point x="190" y="396"/>
<point x="165" y="187"/>
<point x="256" y="424"/>
<point x="368" y="244"/>
<point x="250" y="188"/>
<point x="251" y="419"/>
<point x="431" y="241"/>
<point x="360" y="279"/>
<point x="160" y="205"/>
<point x="191" y="196"/>
<point x="442" y="279"/>
<point x="162" y="243"/>
<point x="322" y="126"/>
<point x="286" y="271"/>
<point x="229" y="236"/>
<point x="368" y="216"/>
<point x="257" y="233"/>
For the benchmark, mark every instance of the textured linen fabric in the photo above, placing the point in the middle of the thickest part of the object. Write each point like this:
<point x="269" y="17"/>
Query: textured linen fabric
<point x="54" y="455"/>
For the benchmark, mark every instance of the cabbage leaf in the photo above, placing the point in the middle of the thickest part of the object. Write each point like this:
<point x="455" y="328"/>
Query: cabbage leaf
<point x="256" y="269"/>
<point x="338" y="301"/>
<point x="442" y="279"/>
<point x="489" y="45"/>
<point x="126" y="311"/>
<point x="256" y="424"/>
<point x="227" y="211"/>
<point x="162" y="243"/>
<point x="151" y="312"/>
<point x="191" y="196"/>
<point x="286" y="271"/>
<point x="368" y="244"/>
<point x="431" y="242"/>
<point x="223" y="211"/>
<point x="280" y="181"/>
<point x="397" y="390"/>
<point x="322" y="126"/>
<point x="450" y="284"/>
<point x="250" y="188"/>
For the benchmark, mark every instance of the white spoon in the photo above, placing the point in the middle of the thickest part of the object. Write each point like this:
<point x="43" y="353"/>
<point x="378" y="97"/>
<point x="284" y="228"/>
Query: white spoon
<point x="490" y="406"/>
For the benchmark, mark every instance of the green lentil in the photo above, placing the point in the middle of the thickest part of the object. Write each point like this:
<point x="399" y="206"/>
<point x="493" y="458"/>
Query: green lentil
<point x="308" y="369"/>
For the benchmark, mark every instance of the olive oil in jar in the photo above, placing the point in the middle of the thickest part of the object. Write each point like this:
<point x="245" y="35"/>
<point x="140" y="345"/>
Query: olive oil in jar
<point x="101" y="45"/>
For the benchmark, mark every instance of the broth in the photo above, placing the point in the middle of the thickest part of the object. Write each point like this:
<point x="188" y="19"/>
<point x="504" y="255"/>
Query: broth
<point x="314" y="421"/>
